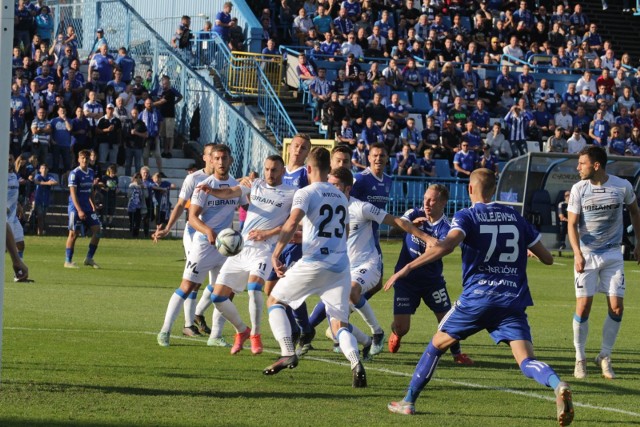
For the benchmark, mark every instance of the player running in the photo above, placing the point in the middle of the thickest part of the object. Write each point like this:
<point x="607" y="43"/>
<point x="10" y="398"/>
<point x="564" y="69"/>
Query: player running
<point x="495" y="296"/>
<point x="426" y="282"/>
<point x="270" y="206"/>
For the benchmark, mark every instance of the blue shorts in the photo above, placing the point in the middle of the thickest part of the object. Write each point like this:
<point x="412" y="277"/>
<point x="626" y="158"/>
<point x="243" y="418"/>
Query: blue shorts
<point x="291" y="254"/>
<point x="407" y="296"/>
<point x="503" y="324"/>
<point x="91" y="219"/>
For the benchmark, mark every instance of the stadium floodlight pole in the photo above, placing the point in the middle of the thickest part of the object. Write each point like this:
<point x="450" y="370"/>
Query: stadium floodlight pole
<point x="6" y="46"/>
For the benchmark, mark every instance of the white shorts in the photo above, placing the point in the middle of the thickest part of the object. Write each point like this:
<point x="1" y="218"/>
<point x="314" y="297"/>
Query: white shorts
<point x="187" y="238"/>
<point x="202" y="259"/>
<point x="307" y="278"/>
<point x="252" y="261"/>
<point x="603" y="273"/>
<point x="367" y="275"/>
<point x="16" y="229"/>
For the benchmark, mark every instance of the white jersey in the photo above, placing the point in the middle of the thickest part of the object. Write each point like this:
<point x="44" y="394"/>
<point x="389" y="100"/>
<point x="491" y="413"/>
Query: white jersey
<point x="600" y="210"/>
<point x="361" y="242"/>
<point x="189" y="185"/>
<point x="13" y="188"/>
<point x="217" y="214"/>
<point x="324" y="234"/>
<point x="269" y="208"/>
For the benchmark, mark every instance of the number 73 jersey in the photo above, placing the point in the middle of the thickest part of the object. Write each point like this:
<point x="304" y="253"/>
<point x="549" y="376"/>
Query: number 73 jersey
<point x="494" y="255"/>
<point x="324" y="234"/>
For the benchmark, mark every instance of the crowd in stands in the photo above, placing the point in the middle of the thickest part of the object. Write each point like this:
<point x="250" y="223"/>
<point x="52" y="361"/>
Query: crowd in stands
<point x="478" y="64"/>
<point x="57" y="110"/>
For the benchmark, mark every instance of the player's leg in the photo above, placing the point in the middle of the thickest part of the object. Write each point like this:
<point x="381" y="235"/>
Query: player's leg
<point x="611" y="283"/>
<point x="18" y="236"/>
<point x="190" y="329"/>
<point x="74" y="227"/>
<point x="261" y="268"/>
<point x="93" y="223"/>
<point x="318" y="314"/>
<point x="363" y="278"/>
<point x="220" y="298"/>
<point x="586" y="284"/>
<point x="545" y="375"/>
<point x="173" y="308"/>
<point x="437" y="299"/>
<point x="406" y="300"/>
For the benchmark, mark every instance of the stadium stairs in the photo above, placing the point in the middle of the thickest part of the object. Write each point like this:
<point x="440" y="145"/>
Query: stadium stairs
<point x="620" y="28"/>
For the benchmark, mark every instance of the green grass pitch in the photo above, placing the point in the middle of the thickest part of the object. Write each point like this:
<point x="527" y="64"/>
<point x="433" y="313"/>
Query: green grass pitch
<point x="79" y="348"/>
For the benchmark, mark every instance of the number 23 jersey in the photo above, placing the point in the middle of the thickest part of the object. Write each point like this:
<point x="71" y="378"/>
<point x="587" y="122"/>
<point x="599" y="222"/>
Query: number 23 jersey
<point x="494" y="255"/>
<point x="324" y="235"/>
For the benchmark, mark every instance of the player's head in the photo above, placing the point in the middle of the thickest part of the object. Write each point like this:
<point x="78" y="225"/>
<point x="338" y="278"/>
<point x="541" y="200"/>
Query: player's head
<point x="273" y="170"/>
<point x="592" y="162"/>
<point x="378" y="158"/>
<point x="220" y="159"/>
<point x="83" y="158"/>
<point x="435" y="200"/>
<point x="342" y="179"/>
<point x="319" y="161"/>
<point x="340" y="157"/>
<point x="482" y="185"/>
<point x="299" y="149"/>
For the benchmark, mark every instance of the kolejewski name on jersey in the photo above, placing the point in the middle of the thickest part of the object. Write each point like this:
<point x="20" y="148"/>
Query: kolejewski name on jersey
<point x="217" y="214"/>
<point x="13" y="191"/>
<point x="269" y="208"/>
<point x="83" y="181"/>
<point x="361" y="243"/>
<point x="494" y="255"/>
<point x="412" y="247"/>
<point x="189" y="185"/>
<point x="600" y="208"/>
<point x="324" y="227"/>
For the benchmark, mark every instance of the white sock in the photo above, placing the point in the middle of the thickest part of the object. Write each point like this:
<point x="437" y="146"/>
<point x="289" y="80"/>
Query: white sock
<point x="609" y="335"/>
<point x="281" y="329"/>
<point x="361" y="337"/>
<point x="175" y="304"/>
<point x="256" y="299"/>
<point x="205" y="300"/>
<point x="230" y="312"/>
<point x="349" y="346"/>
<point x="190" y="309"/>
<point x="580" y="332"/>
<point x="366" y="311"/>
<point x="217" y="324"/>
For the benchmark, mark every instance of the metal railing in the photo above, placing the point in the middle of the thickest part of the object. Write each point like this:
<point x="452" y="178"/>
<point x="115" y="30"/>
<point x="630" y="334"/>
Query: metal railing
<point x="243" y="75"/>
<point x="219" y="121"/>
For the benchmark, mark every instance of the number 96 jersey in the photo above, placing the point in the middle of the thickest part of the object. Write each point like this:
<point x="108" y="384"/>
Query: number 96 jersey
<point x="494" y="255"/>
<point x="324" y="237"/>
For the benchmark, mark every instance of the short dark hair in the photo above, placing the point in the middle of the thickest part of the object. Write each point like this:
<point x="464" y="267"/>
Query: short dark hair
<point x="341" y="149"/>
<point x="343" y="175"/>
<point x="320" y="158"/>
<point x="595" y="154"/>
<point x="276" y="158"/>
<point x="221" y="147"/>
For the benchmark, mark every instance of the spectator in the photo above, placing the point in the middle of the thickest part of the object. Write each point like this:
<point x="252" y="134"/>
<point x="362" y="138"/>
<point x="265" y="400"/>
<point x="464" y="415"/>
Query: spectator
<point x="103" y="63"/>
<point x="624" y="122"/>
<point x="599" y="130"/>
<point x="371" y="132"/>
<point x="61" y="136"/>
<point x="332" y="113"/>
<point x="577" y="142"/>
<point x="351" y="49"/>
<point x="223" y="22"/>
<point x="407" y="162"/>
<point x="301" y="26"/>
<point x="306" y="71"/>
<point x="359" y="158"/>
<point x="488" y="160"/>
<point x="342" y="24"/>
<point x="472" y="137"/>
<point x="633" y="142"/>
<point x="167" y="99"/>
<point x="556" y="143"/>
<point x="426" y="163"/>
<point x="465" y="161"/>
<point x="513" y="49"/>
<point x="44" y="25"/>
<point x="108" y="136"/>
<point x="345" y="134"/>
<point x="564" y="120"/>
<point x="136" y="205"/>
<point x="617" y="144"/>
<point x="517" y="131"/>
<point x="181" y="40"/>
<point x="152" y="119"/>
<point x="41" y="131"/>
<point x="126" y="64"/>
<point x="410" y="135"/>
<point x="393" y="75"/>
<point x="397" y="111"/>
<point x="108" y="185"/>
<point x="162" y="199"/>
<point x="44" y="181"/>
<point x="498" y="143"/>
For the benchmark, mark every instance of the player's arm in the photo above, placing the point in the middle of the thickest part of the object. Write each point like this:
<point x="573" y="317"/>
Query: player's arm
<point x="287" y="232"/>
<point x="173" y="218"/>
<point x="221" y="193"/>
<point x="634" y="214"/>
<point x="542" y="253"/>
<point x="574" y="240"/>
<point x="442" y="249"/>
<point x="408" y="227"/>
<point x="19" y="267"/>
<point x="73" y="192"/>
<point x="259" y="235"/>
<point x="199" y="225"/>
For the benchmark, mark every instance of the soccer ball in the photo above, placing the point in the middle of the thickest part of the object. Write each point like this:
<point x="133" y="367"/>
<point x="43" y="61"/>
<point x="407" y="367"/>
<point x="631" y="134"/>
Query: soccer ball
<point x="229" y="242"/>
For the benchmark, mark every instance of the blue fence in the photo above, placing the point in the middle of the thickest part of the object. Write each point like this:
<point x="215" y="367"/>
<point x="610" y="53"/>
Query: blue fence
<point x="219" y="121"/>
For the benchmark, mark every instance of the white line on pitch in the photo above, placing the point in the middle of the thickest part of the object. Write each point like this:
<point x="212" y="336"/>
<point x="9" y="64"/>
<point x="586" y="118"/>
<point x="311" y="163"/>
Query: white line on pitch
<point x="369" y="368"/>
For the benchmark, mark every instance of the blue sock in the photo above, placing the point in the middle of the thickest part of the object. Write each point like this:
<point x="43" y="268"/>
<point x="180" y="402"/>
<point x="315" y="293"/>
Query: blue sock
<point x="455" y="349"/>
<point x="21" y="254"/>
<point x="580" y="319"/>
<point x="302" y="318"/>
<point x="218" y="298"/>
<point x="318" y="314"/>
<point x="69" y="256"/>
<point x="362" y="301"/>
<point x="611" y="315"/>
<point x="423" y="373"/>
<point x="193" y="295"/>
<point x="180" y="293"/>
<point x="254" y="286"/>
<point x="92" y="250"/>
<point x="295" y="329"/>
<point x="210" y="288"/>
<point x="540" y="371"/>
<point x="368" y="295"/>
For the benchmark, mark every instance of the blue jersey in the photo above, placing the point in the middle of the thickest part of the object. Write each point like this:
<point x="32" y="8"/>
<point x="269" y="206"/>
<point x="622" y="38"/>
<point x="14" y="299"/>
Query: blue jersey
<point x="369" y="188"/>
<point x="412" y="247"/>
<point x="494" y="255"/>
<point x="83" y="182"/>
<point x="297" y="178"/>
